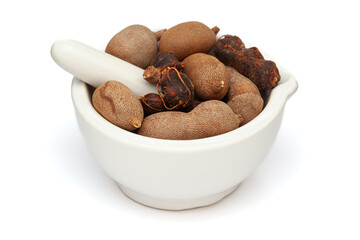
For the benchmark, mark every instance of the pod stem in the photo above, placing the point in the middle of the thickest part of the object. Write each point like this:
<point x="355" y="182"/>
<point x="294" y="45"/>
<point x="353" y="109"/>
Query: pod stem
<point x="136" y="123"/>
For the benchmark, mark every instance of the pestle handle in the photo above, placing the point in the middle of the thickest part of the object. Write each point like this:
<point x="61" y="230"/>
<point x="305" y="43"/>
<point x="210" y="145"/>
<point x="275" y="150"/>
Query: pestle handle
<point x="96" y="67"/>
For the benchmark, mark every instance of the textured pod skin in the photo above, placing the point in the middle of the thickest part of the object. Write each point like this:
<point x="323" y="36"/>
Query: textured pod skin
<point x="194" y="103"/>
<point x="119" y="105"/>
<point x="208" y="119"/>
<point x="187" y="38"/>
<point x="239" y="84"/>
<point x="135" y="44"/>
<point x="247" y="105"/>
<point x="209" y="76"/>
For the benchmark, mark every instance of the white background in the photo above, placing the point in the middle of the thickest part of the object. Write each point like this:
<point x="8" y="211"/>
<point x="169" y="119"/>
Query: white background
<point x="307" y="187"/>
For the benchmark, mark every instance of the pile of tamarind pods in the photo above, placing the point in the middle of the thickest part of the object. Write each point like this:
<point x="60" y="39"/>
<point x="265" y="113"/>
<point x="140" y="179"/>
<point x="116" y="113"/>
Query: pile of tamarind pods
<point x="206" y="87"/>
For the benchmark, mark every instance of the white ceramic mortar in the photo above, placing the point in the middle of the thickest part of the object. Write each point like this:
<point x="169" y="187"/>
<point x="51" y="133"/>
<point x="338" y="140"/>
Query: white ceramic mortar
<point x="175" y="175"/>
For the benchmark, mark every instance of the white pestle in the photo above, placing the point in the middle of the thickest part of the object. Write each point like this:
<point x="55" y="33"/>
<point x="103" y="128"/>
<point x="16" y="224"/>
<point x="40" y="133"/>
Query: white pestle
<point x="96" y="67"/>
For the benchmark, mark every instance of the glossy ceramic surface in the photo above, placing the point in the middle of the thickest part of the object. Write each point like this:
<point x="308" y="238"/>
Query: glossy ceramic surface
<point x="175" y="175"/>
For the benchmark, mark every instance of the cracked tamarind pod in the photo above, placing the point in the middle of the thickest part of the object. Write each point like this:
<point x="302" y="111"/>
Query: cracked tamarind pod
<point x="152" y="103"/>
<point x="160" y="62"/>
<point x="248" y="61"/>
<point x="176" y="92"/>
<point x="175" y="89"/>
<point x="238" y="45"/>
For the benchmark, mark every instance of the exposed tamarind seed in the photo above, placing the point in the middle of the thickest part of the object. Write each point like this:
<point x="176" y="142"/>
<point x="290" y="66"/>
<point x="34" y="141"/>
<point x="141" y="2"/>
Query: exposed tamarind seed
<point x="152" y="103"/>
<point x="175" y="89"/>
<point x="249" y="62"/>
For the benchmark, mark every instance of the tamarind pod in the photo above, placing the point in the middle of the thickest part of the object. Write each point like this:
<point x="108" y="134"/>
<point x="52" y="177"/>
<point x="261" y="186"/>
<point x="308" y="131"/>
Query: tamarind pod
<point x="248" y="62"/>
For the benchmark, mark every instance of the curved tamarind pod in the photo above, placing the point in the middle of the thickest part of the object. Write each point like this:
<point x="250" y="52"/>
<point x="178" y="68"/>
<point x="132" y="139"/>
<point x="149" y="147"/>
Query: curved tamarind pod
<point x="248" y="61"/>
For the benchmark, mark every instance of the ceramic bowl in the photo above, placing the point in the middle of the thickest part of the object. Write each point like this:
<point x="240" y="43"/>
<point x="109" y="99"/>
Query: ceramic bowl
<point x="179" y="174"/>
